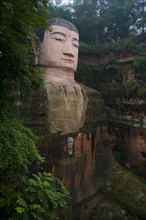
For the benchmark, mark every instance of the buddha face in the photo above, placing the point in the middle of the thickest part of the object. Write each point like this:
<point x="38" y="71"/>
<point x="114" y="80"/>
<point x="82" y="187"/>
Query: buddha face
<point x="59" y="48"/>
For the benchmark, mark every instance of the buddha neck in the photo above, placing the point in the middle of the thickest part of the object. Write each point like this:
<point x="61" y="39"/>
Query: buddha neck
<point x="56" y="75"/>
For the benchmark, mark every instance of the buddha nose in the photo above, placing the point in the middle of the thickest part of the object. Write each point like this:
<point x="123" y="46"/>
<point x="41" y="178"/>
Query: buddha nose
<point x="69" y="54"/>
<point x="68" y="49"/>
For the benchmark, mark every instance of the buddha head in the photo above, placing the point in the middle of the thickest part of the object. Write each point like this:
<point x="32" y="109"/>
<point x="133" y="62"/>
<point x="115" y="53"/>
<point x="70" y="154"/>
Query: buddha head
<point x="58" y="47"/>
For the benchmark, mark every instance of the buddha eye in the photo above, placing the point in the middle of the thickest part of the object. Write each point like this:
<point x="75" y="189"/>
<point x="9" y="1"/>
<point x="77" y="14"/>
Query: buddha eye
<point x="76" y="45"/>
<point x="59" y="39"/>
<point x="58" y="36"/>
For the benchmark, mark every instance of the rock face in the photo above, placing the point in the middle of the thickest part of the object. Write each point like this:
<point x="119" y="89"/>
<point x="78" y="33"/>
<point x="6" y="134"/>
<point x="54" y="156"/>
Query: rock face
<point x="131" y="142"/>
<point x="133" y="148"/>
<point x="124" y="95"/>
<point x="128" y="129"/>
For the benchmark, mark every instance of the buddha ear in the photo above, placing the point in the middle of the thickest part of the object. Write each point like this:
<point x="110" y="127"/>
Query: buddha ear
<point x="36" y="50"/>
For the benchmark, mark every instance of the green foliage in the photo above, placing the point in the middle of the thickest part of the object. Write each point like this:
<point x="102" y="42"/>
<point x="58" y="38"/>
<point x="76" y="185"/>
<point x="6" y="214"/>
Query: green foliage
<point x="23" y="197"/>
<point x="87" y="73"/>
<point x="43" y="195"/>
<point x="109" y="69"/>
<point x="98" y="76"/>
<point x="102" y="21"/>
<point x="18" y="22"/>
<point x="95" y="116"/>
<point x="140" y="67"/>
<point x="87" y="48"/>
<point x="130" y="45"/>
<point x="127" y="89"/>
<point x="17" y="145"/>
<point x="134" y="89"/>
<point x="88" y="23"/>
<point x="112" y="89"/>
<point x="141" y="14"/>
<point x="62" y="11"/>
<point x="117" y="155"/>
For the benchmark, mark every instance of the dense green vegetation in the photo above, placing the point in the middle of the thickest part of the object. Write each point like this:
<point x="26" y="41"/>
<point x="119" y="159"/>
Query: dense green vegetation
<point x="128" y="45"/>
<point x="17" y="25"/>
<point x="24" y="195"/>
<point x="104" y="21"/>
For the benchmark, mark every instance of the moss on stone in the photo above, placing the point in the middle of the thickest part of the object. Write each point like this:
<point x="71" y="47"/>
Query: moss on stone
<point x="127" y="189"/>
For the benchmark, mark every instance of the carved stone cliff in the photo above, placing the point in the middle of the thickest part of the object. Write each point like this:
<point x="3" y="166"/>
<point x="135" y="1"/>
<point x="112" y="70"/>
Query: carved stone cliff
<point x="121" y="79"/>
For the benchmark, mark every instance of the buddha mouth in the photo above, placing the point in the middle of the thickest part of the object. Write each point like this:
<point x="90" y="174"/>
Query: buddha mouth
<point x="67" y="60"/>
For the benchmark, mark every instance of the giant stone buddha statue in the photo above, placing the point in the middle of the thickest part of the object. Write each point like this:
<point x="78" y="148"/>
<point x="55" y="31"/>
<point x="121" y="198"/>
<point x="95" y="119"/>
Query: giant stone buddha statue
<point x="64" y="114"/>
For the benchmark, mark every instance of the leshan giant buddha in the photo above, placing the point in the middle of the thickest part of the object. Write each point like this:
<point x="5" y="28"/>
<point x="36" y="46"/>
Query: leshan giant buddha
<point x="64" y="113"/>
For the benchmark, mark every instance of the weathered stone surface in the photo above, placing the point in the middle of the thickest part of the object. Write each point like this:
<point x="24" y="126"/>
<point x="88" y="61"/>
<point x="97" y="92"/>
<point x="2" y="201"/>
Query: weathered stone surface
<point x="132" y="145"/>
<point x="83" y="171"/>
<point x="128" y="130"/>
<point x="67" y="107"/>
<point x="128" y="190"/>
